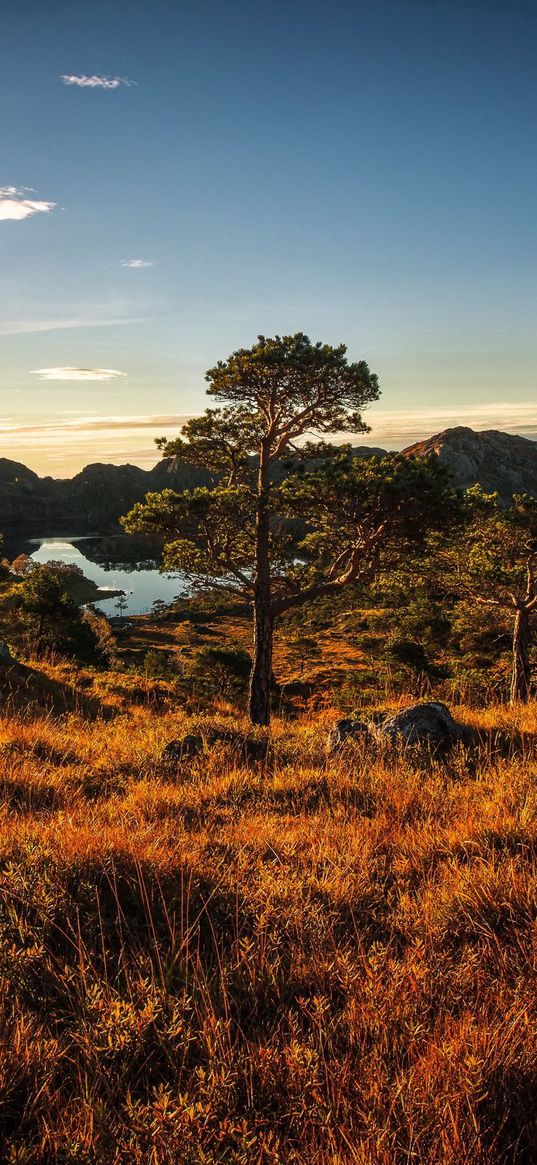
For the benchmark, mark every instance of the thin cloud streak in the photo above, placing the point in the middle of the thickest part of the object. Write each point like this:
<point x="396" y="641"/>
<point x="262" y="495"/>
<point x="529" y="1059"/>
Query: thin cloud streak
<point x="136" y="264"/>
<point x="15" y="206"/>
<point x="29" y="327"/>
<point x="97" y="81"/>
<point x="402" y="427"/>
<point x="67" y="373"/>
<point x="63" y="447"/>
<point x="399" y="425"/>
<point x="94" y="424"/>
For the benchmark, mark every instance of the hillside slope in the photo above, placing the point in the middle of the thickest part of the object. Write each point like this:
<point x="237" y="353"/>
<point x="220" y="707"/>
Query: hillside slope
<point x="98" y="496"/>
<point x="95" y="498"/>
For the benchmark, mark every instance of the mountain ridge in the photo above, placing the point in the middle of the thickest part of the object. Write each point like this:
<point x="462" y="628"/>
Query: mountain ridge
<point x="99" y="494"/>
<point x="499" y="462"/>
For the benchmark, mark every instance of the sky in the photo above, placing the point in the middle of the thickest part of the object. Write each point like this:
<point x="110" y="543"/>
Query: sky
<point x="178" y="176"/>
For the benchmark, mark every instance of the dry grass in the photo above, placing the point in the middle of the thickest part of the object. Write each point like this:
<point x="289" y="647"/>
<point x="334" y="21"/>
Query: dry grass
<point x="315" y="962"/>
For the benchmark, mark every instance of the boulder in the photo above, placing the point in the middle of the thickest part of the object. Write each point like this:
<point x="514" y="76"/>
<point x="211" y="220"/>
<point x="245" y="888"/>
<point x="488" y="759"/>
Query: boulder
<point x="178" y="750"/>
<point x="429" y="725"/>
<point x="247" y="749"/>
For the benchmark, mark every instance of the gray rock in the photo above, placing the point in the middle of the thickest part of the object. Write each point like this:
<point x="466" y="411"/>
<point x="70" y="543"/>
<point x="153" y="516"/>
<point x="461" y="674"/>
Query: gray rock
<point x="246" y="748"/>
<point x="428" y="725"/>
<point x="496" y="461"/>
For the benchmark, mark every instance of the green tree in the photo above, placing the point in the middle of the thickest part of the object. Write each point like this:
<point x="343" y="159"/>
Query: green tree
<point x="122" y="604"/>
<point x="4" y="564"/>
<point x="53" y="619"/>
<point x="245" y="535"/>
<point x="493" y="563"/>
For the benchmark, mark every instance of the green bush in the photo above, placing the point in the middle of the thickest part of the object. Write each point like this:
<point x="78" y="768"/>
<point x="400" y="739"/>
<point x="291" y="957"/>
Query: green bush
<point x="221" y="670"/>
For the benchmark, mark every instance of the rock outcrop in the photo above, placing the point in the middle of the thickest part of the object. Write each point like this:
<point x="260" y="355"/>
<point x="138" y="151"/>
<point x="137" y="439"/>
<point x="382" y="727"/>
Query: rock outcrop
<point x="6" y="658"/>
<point x="428" y="726"/>
<point x="20" y="492"/>
<point x="348" y="731"/>
<point x="498" y="462"/>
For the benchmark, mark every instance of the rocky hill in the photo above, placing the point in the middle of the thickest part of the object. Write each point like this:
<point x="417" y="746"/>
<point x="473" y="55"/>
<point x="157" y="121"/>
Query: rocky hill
<point x="499" y="462"/>
<point x="92" y="500"/>
<point x="95" y="499"/>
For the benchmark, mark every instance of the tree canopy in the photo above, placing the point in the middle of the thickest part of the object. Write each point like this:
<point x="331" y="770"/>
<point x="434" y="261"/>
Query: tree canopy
<point x="289" y="517"/>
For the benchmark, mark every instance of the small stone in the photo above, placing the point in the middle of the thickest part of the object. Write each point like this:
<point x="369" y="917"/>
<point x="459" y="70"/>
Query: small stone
<point x="177" y="750"/>
<point x="345" y="731"/>
<point x="247" y="748"/>
<point x="6" y="657"/>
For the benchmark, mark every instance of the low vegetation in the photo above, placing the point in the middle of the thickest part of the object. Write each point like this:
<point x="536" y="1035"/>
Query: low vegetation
<point x="309" y="960"/>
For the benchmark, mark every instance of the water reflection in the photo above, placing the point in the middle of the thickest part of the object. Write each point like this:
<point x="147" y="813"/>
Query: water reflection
<point x="139" y="578"/>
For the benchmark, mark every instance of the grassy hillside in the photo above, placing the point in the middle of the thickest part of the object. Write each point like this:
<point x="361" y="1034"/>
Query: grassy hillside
<point x="308" y="961"/>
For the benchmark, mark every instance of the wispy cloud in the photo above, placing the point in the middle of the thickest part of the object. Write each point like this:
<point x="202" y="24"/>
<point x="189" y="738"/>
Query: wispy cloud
<point x="83" y="424"/>
<point x="136" y="263"/>
<point x="67" y="373"/>
<point x="399" y="425"/>
<point x="398" y="428"/>
<point x="28" y="327"/>
<point x="63" y="446"/>
<point x="15" y="204"/>
<point x="97" y="81"/>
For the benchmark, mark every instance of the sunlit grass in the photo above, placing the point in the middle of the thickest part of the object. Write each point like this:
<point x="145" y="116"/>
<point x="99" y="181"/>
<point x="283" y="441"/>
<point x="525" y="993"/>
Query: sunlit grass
<point x="317" y="960"/>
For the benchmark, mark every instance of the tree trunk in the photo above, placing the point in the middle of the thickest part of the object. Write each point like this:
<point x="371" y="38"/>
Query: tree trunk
<point x="521" y="673"/>
<point x="260" y="679"/>
<point x="263" y="617"/>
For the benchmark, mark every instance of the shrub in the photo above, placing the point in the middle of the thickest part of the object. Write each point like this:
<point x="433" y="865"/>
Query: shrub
<point x="221" y="670"/>
<point x="53" y="621"/>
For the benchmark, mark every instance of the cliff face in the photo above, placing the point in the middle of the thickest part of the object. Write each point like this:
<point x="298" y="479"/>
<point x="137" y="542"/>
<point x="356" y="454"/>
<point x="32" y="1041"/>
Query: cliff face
<point x="499" y="462"/>
<point x="100" y="494"/>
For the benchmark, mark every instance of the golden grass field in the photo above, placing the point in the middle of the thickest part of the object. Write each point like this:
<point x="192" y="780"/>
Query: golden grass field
<point x="311" y="962"/>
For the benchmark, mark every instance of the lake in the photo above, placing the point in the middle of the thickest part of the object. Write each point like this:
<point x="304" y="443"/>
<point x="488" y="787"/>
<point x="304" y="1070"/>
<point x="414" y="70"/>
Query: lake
<point x="141" y="581"/>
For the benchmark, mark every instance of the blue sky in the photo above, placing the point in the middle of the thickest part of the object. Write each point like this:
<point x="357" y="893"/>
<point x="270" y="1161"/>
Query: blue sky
<point x="363" y="171"/>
